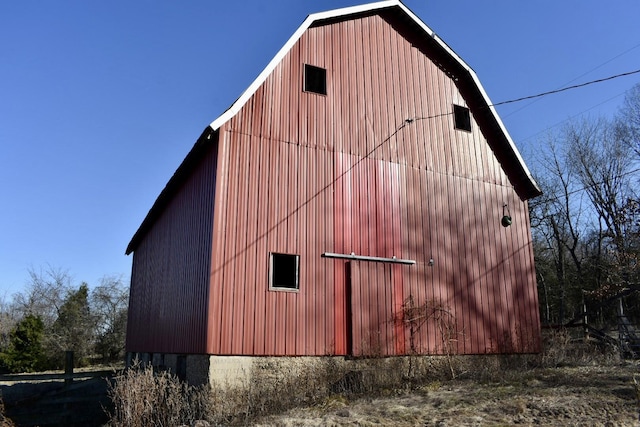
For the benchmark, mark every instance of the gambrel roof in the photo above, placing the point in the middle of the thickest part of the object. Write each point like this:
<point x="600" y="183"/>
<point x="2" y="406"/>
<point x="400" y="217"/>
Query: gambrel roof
<point x="465" y="78"/>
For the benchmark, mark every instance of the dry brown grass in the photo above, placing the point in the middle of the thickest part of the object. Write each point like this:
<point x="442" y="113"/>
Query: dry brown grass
<point x="563" y="381"/>
<point x="142" y="397"/>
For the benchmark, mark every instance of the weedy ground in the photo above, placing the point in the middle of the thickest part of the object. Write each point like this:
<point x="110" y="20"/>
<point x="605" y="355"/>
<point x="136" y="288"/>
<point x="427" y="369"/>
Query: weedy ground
<point x="557" y="396"/>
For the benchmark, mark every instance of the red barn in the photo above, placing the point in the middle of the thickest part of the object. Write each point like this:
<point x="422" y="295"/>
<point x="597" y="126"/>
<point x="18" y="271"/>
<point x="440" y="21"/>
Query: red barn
<point x="363" y="178"/>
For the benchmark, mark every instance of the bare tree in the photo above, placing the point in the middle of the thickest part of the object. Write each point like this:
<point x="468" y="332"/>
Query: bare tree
<point x="44" y="295"/>
<point x="109" y="302"/>
<point x="8" y="322"/>
<point x="558" y="219"/>
<point x="604" y="164"/>
<point x="628" y="124"/>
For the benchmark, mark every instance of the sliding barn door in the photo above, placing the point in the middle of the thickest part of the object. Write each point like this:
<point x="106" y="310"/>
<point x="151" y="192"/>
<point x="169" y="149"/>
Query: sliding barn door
<point x="373" y="321"/>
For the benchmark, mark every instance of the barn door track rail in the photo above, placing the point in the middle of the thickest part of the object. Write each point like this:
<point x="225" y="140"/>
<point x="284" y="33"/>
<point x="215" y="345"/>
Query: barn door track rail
<point x="353" y="256"/>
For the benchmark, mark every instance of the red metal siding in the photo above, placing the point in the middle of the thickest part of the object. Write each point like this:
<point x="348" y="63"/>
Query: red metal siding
<point x="168" y="302"/>
<point x="305" y="173"/>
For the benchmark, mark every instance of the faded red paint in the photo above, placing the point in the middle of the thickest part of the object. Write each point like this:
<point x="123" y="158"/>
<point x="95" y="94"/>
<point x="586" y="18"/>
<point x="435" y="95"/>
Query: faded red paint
<point x="347" y="172"/>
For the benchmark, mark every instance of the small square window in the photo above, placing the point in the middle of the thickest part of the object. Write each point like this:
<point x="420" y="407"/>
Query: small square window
<point x="315" y="79"/>
<point x="284" y="271"/>
<point x="462" y="118"/>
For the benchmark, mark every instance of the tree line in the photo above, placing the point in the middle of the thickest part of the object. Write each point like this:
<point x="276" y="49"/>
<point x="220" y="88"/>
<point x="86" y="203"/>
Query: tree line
<point x="586" y="225"/>
<point x="53" y="316"/>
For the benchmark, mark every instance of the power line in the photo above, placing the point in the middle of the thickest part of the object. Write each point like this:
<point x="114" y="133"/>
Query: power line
<point x="578" y="77"/>
<point x="566" y="88"/>
<point x="539" y="95"/>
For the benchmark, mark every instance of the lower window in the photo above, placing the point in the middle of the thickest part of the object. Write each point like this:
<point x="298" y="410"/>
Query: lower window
<point x="284" y="272"/>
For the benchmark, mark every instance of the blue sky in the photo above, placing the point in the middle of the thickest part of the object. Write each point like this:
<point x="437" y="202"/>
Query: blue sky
<point x="101" y="101"/>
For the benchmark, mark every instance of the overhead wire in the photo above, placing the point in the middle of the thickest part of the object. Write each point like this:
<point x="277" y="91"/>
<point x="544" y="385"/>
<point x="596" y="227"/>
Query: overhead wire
<point x="578" y="77"/>
<point x="542" y="94"/>
<point x="551" y="92"/>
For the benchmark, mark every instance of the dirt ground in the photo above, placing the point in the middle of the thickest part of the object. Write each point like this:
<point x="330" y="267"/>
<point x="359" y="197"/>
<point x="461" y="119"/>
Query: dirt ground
<point x="568" y="396"/>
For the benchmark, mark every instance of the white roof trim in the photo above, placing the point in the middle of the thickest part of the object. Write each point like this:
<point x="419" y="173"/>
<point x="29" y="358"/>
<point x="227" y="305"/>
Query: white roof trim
<point x="247" y="94"/>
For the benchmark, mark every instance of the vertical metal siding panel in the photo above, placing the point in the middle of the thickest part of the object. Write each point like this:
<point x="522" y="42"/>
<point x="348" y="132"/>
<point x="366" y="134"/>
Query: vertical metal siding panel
<point x="474" y="302"/>
<point x="370" y="288"/>
<point x="262" y="327"/>
<point x="441" y="251"/>
<point x="322" y="123"/>
<point x="314" y="286"/>
<point x="395" y="225"/>
<point x="422" y="245"/>
<point x="279" y="244"/>
<point x="307" y="259"/>
<point x="481" y="266"/>
<point x="440" y="124"/>
<point x="244" y="286"/>
<point x="407" y="233"/>
<point x="503" y="307"/>
<point x="357" y="140"/>
<point x="357" y="310"/>
<point x="507" y="278"/>
<point x="475" y="251"/>
<point x="338" y="100"/>
<point x="376" y="75"/>
<point x="239" y="254"/>
<point x="404" y="95"/>
<point x="385" y="103"/>
<point x="493" y="289"/>
<point x="459" y="283"/>
<point x="461" y="218"/>
<point x="331" y="44"/>
<point x="390" y="93"/>
<point x="293" y="243"/>
<point x="487" y="268"/>
<point x="229" y="254"/>
<point x="449" y="253"/>
<point x="368" y="83"/>
<point x="325" y="324"/>
<point x="214" y="325"/>
<point x="418" y="107"/>
<point x="254" y="329"/>
<point x="327" y="229"/>
<point x="457" y="167"/>
<point x="370" y="186"/>
<point x="383" y="277"/>
<point x="380" y="234"/>
<point x="319" y="301"/>
<point x="495" y="297"/>
<point x="431" y="224"/>
<point x="344" y="240"/>
<point x="270" y="183"/>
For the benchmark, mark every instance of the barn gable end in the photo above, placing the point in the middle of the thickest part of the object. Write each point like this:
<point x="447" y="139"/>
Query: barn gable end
<point x="327" y="185"/>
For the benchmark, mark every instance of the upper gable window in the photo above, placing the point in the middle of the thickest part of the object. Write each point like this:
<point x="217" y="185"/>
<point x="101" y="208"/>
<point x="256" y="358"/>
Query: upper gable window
<point x="462" y="118"/>
<point x="315" y="79"/>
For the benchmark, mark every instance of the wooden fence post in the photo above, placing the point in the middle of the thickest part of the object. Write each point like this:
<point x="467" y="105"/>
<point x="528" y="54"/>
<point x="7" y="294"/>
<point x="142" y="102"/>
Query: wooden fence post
<point x="68" y="367"/>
